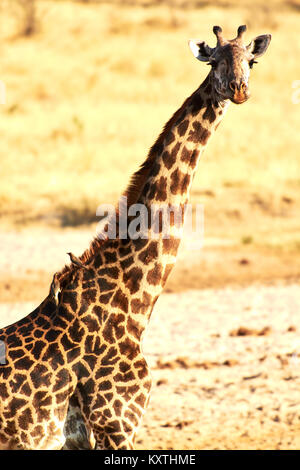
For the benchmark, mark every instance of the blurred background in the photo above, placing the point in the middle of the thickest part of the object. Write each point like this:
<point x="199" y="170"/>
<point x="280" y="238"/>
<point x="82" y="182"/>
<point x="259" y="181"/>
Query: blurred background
<point x="89" y="86"/>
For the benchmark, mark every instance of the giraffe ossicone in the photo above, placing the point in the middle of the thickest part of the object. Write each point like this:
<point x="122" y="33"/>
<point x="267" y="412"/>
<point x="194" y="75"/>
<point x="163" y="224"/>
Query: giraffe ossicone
<point x="74" y="374"/>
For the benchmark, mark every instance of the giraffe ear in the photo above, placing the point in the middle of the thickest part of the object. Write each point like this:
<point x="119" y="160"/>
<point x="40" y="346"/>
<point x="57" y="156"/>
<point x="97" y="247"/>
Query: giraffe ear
<point x="259" y="45"/>
<point x="200" y="50"/>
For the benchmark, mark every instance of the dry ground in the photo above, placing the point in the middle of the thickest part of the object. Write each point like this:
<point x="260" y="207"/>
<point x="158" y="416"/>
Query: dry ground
<point x="219" y="385"/>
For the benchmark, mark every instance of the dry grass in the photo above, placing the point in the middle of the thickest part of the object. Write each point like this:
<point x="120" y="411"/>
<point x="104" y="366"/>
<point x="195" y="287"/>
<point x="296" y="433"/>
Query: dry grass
<point x="88" y="94"/>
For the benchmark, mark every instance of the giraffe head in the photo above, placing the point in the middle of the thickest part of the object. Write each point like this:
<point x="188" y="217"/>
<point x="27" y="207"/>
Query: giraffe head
<point x="231" y="61"/>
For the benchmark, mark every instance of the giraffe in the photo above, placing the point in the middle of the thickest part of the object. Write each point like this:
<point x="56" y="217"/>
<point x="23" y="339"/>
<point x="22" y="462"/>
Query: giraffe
<point x="75" y="376"/>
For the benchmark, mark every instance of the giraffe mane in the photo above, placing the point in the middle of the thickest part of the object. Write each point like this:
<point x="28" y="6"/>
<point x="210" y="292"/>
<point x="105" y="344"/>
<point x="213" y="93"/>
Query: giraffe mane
<point x="66" y="273"/>
<point x="139" y="178"/>
<point x="132" y="193"/>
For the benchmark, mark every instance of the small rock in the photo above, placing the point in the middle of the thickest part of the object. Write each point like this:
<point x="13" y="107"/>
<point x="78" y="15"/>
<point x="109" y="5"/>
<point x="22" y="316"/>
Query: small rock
<point x="244" y="261"/>
<point x="161" y="382"/>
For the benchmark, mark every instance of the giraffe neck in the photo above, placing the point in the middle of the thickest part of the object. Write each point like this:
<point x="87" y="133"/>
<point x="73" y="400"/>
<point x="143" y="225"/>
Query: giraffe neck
<point x="168" y="173"/>
<point x="131" y="272"/>
<point x="177" y="151"/>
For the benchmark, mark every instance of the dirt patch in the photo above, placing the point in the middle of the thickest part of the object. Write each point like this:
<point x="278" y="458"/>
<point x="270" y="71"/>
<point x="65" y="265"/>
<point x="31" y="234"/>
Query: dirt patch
<point x="187" y="363"/>
<point x="201" y="399"/>
<point x="244" y="331"/>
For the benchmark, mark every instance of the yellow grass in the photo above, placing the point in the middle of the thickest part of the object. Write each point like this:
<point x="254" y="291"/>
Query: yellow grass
<point x="88" y="94"/>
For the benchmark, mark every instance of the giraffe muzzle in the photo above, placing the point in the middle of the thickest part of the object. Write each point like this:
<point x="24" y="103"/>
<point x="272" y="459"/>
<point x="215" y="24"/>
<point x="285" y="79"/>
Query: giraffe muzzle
<point x="240" y="92"/>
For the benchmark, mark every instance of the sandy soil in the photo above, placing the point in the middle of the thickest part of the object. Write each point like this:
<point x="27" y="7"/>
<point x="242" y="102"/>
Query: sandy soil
<point x="225" y="360"/>
<point x="226" y="370"/>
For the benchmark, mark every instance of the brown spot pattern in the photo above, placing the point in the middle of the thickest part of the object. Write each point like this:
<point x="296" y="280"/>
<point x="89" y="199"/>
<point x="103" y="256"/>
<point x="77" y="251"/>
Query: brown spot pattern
<point x="209" y="113"/>
<point x="182" y="128"/>
<point x="161" y="189"/>
<point x="149" y="254"/>
<point x="179" y="182"/>
<point x="120" y="301"/>
<point x="199" y="134"/>
<point x="132" y="279"/>
<point x="169" y="156"/>
<point x="154" y="275"/>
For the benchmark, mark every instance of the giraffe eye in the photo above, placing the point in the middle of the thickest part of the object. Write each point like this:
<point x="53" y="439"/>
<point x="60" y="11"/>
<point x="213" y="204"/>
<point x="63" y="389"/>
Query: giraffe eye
<point x="252" y="62"/>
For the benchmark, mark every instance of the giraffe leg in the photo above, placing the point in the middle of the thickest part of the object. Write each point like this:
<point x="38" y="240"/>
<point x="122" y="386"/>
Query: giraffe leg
<point x="114" y="412"/>
<point x="115" y="426"/>
<point x="115" y="429"/>
<point x="78" y="435"/>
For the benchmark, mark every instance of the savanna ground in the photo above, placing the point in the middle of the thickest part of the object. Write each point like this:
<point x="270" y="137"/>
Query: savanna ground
<point x="89" y="86"/>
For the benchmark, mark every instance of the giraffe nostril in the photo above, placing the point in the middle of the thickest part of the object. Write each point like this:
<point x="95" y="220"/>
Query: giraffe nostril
<point x="243" y="86"/>
<point x="232" y="85"/>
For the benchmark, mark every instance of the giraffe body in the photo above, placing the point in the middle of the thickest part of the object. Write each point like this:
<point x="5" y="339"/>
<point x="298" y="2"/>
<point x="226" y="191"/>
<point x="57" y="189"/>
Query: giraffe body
<point x="75" y="374"/>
